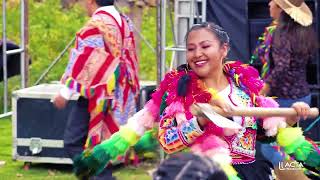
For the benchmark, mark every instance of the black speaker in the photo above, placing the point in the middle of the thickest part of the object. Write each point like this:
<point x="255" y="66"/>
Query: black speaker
<point x="38" y="127"/>
<point x="13" y="61"/>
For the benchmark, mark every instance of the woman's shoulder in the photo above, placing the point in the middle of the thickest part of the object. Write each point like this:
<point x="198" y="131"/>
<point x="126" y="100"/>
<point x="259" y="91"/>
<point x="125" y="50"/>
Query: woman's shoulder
<point x="88" y="31"/>
<point x="168" y="84"/>
<point x="167" y="81"/>
<point x="240" y="68"/>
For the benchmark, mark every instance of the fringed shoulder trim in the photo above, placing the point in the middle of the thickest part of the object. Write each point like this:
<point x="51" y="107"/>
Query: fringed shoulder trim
<point x="246" y="77"/>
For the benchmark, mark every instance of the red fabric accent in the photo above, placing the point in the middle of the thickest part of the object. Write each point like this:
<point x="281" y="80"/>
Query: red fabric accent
<point x="77" y="42"/>
<point x="125" y="94"/>
<point x="92" y="101"/>
<point x="112" y="126"/>
<point x="134" y="42"/>
<point x="211" y="128"/>
<point x="134" y="45"/>
<point x="102" y="70"/>
<point x="81" y="61"/>
<point x="95" y="120"/>
<point x="122" y="22"/>
<point x="91" y="105"/>
<point x="121" y="74"/>
<point x="130" y="59"/>
<point x="122" y="28"/>
<point x="136" y="80"/>
<point x="90" y="32"/>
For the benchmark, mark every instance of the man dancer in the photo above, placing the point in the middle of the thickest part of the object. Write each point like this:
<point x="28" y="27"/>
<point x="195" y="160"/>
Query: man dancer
<point x="103" y="69"/>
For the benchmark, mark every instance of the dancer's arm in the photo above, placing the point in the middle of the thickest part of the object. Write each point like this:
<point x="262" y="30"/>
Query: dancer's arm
<point x="175" y="137"/>
<point x="89" y="44"/>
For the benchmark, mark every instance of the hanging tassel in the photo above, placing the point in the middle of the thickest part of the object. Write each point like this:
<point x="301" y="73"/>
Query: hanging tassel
<point x="93" y="161"/>
<point x="295" y="144"/>
<point x="183" y="84"/>
<point x="148" y="142"/>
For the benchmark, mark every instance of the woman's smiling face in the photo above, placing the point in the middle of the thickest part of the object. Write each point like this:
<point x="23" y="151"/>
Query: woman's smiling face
<point x="205" y="53"/>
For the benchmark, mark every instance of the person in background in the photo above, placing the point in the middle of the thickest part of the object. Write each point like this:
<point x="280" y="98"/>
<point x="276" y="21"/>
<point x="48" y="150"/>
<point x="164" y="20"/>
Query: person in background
<point x="284" y="49"/>
<point x="293" y="44"/>
<point x="103" y="69"/>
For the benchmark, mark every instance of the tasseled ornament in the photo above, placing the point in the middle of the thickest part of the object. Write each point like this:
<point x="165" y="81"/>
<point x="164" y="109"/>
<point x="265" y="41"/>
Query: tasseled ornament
<point x="183" y="85"/>
<point x="148" y="142"/>
<point x="93" y="161"/>
<point x="295" y="144"/>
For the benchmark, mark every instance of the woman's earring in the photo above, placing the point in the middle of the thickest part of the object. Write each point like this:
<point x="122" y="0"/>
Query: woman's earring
<point x="188" y="67"/>
<point x="224" y="60"/>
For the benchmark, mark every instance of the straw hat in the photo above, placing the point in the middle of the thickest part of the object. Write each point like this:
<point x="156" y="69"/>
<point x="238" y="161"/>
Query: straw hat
<point x="297" y="10"/>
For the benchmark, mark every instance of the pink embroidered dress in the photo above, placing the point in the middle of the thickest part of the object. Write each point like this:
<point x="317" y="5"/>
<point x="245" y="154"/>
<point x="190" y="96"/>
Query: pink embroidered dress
<point x="103" y="68"/>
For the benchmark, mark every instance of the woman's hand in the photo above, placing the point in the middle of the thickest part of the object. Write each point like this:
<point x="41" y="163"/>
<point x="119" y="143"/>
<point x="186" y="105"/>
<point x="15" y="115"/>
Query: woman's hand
<point x="59" y="101"/>
<point x="221" y="104"/>
<point x="201" y="118"/>
<point x="202" y="121"/>
<point x="302" y="109"/>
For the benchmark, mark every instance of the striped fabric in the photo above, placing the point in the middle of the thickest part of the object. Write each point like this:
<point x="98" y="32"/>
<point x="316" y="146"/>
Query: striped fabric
<point x="103" y="68"/>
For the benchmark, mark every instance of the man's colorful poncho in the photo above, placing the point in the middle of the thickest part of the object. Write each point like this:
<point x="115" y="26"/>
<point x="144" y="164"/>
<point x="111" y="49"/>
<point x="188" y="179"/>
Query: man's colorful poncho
<point x="103" y="68"/>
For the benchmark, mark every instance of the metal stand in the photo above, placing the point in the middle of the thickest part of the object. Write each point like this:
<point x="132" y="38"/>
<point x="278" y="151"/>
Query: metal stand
<point x="21" y="51"/>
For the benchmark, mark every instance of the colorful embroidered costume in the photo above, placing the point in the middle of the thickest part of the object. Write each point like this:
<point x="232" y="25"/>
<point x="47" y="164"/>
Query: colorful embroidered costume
<point x="103" y="68"/>
<point x="179" y="129"/>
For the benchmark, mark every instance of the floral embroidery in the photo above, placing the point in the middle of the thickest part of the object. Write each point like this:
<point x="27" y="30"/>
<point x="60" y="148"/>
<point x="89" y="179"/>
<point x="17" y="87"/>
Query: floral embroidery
<point x="171" y="136"/>
<point x="246" y="142"/>
<point x="189" y="131"/>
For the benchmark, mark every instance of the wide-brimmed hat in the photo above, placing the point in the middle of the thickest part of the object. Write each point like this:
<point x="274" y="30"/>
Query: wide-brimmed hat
<point x="297" y="10"/>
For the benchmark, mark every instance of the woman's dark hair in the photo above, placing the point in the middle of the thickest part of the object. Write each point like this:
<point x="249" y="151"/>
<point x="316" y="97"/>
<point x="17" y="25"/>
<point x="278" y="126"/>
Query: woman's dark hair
<point x="218" y="31"/>
<point x="187" y="166"/>
<point x="104" y="2"/>
<point x="303" y="40"/>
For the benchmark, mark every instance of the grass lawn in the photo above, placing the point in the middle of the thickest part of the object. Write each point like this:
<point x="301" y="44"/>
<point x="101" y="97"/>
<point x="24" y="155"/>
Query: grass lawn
<point x="14" y="169"/>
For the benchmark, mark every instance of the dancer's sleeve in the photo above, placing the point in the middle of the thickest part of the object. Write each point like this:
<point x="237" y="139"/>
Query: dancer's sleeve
<point x="93" y="161"/>
<point x="270" y="124"/>
<point x="86" y="58"/>
<point x="174" y="137"/>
